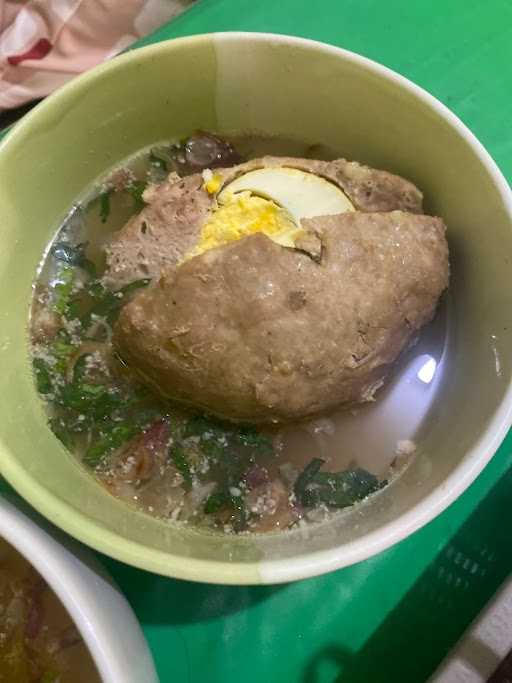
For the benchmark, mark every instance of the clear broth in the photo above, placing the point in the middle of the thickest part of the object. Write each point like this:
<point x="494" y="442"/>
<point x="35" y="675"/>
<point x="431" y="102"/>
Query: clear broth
<point x="379" y="437"/>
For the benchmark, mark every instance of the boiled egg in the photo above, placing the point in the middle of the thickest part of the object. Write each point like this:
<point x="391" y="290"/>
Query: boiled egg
<point x="301" y="194"/>
<point x="270" y="200"/>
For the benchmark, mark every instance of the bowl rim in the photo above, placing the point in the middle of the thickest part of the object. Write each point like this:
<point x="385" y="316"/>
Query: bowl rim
<point x="73" y="574"/>
<point x="308" y="564"/>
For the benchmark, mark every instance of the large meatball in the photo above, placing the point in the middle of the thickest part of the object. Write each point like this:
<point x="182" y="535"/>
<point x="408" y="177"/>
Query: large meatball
<point x="258" y="332"/>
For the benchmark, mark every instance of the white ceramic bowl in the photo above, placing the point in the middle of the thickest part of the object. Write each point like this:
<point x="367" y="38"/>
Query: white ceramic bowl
<point x="98" y="608"/>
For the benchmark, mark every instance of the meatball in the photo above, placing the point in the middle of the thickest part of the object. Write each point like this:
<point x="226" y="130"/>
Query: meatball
<point x="253" y="331"/>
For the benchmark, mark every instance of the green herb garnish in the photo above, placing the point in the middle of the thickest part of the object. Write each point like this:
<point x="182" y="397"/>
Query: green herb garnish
<point x="94" y="401"/>
<point x="58" y="355"/>
<point x="43" y="376"/>
<point x="212" y="434"/>
<point x="334" y="489"/>
<point x="205" y="427"/>
<point x="223" y="500"/>
<point x="80" y="368"/>
<point x="232" y="450"/>
<point x="111" y="439"/>
<point x="136" y="189"/>
<point x="107" y="304"/>
<point x="63" y="289"/>
<point x="250" y="437"/>
<point x="178" y="457"/>
<point x="213" y="431"/>
<point x="104" y="200"/>
<point x="306" y="476"/>
<point x="215" y="502"/>
<point x="74" y="308"/>
<point x="61" y="350"/>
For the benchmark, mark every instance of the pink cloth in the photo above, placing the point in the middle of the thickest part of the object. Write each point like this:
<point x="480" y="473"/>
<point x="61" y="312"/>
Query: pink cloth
<point x="44" y="43"/>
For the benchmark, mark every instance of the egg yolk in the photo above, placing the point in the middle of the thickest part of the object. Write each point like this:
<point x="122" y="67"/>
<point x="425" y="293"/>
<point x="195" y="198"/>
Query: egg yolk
<point x="212" y="181"/>
<point x="241" y="214"/>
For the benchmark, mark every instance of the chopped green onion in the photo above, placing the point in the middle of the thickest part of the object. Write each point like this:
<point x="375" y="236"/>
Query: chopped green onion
<point x="104" y="200"/>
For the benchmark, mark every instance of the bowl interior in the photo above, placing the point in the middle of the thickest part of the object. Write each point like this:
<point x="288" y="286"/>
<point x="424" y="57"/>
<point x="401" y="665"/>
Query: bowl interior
<point x="92" y="600"/>
<point x="278" y="86"/>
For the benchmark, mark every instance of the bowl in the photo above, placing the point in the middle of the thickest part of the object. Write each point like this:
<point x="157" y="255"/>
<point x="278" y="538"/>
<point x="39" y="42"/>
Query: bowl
<point x="275" y="85"/>
<point x="95" y="604"/>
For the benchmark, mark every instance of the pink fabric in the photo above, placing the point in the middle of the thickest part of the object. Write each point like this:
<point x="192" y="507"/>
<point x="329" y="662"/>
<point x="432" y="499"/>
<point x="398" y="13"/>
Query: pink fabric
<point x="44" y="43"/>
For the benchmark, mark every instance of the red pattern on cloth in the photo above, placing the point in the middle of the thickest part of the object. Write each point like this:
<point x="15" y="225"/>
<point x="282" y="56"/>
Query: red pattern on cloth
<point x="38" y="51"/>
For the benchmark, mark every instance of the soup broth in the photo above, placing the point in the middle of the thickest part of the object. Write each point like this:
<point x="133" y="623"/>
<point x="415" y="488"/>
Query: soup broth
<point x="182" y="465"/>
<point x="38" y="641"/>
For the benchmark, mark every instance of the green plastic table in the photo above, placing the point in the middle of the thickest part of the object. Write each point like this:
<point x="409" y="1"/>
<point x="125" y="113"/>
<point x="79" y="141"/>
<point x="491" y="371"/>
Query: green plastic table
<point x="394" y="617"/>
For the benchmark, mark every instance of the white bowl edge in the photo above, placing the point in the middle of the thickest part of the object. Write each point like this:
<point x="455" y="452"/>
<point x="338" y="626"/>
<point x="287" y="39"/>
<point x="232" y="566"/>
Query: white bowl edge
<point x="112" y="634"/>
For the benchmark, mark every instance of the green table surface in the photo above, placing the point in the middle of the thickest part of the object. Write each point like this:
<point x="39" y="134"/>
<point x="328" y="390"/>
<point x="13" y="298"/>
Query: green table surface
<point x="394" y="617"/>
